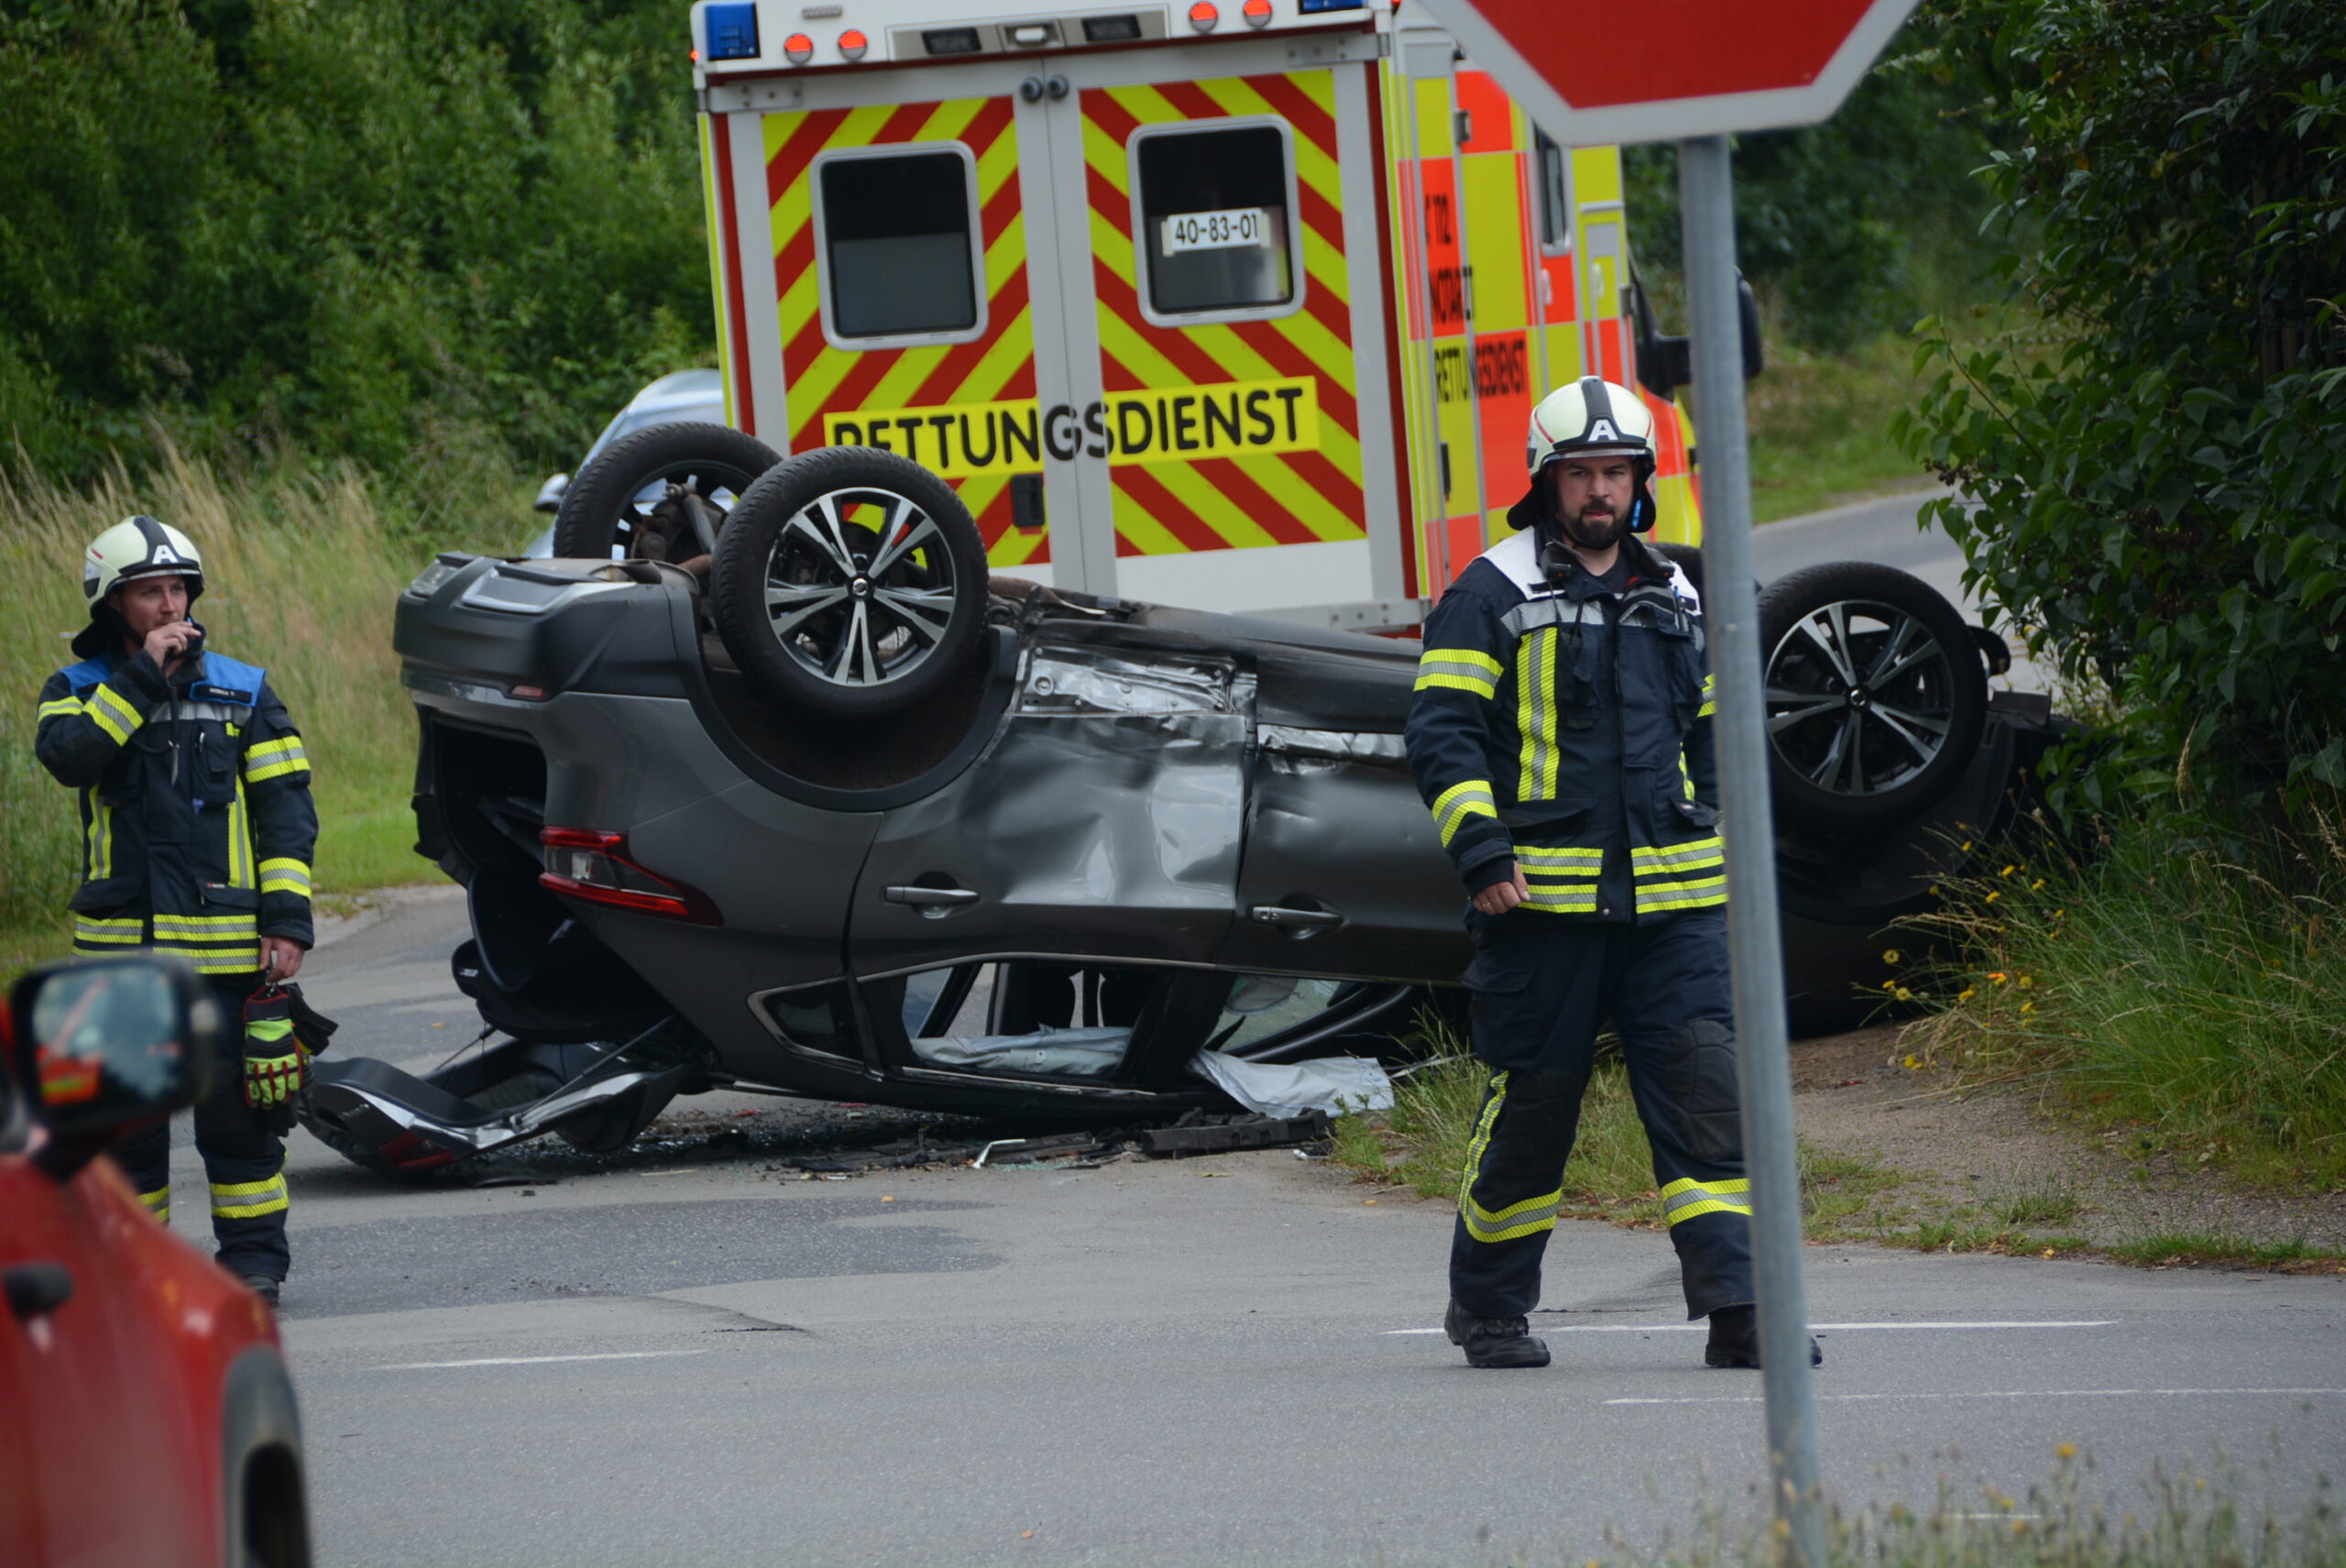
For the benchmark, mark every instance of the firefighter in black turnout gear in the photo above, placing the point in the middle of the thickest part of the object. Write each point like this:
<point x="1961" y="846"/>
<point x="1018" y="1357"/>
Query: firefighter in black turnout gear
<point x="1561" y="734"/>
<point x="197" y="832"/>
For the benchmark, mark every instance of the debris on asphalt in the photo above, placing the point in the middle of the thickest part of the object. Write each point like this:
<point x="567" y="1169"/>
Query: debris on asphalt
<point x="1224" y="1135"/>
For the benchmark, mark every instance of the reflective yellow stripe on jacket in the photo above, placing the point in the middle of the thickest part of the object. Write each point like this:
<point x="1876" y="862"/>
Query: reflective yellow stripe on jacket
<point x="110" y="713"/>
<point x="1692" y="875"/>
<point x="275" y="759"/>
<point x="1562" y="881"/>
<point x="1453" y="806"/>
<point x="1459" y="669"/>
<point x="283" y="874"/>
<point x="1535" y="715"/>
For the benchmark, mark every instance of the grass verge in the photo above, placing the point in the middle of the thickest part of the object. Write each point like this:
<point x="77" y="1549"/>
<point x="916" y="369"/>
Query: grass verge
<point x="2187" y="994"/>
<point x="303" y="569"/>
<point x="1420" y="1144"/>
<point x="1820" y="427"/>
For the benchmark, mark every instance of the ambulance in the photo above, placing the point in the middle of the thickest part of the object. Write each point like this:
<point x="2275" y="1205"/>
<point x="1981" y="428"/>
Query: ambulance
<point x="1236" y="304"/>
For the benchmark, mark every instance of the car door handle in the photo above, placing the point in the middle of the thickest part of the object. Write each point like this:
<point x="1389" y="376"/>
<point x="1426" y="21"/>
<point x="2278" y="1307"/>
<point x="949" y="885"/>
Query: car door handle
<point x="1287" y="919"/>
<point x="929" y="897"/>
<point x="33" y="1289"/>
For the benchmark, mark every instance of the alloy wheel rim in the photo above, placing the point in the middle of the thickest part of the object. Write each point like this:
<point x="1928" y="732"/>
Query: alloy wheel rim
<point x="860" y="587"/>
<point x="1860" y="698"/>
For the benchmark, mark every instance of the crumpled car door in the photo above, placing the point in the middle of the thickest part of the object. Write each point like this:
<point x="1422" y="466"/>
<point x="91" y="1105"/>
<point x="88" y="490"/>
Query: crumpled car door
<point x="1105" y="822"/>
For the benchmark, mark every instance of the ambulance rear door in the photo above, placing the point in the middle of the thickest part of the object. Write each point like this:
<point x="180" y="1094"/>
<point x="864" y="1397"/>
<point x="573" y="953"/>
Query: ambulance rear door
<point x="881" y="238"/>
<point x="1231" y="418"/>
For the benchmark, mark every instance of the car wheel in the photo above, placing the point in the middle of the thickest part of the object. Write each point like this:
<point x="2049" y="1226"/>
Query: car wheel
<point x="851" y="582"/>
<point x="660" y="494"/>
<point x="1876" y="695"/>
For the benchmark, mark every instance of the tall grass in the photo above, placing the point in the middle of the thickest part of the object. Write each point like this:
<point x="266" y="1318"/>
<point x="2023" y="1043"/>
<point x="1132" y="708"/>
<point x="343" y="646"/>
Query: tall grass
<point x="2189" y="993"/>
<point x="302" y="570"/>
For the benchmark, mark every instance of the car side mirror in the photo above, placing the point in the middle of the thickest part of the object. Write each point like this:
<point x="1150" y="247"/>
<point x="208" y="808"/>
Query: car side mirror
<point x="1666" y="363"/>
<point x="550" y="493"/>
<point x="105" y="1047"/>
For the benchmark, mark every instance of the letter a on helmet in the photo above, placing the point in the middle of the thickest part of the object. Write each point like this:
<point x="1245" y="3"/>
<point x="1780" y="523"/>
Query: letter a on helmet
<point x="1590" y="418"/>
<point x="139" y="547"/>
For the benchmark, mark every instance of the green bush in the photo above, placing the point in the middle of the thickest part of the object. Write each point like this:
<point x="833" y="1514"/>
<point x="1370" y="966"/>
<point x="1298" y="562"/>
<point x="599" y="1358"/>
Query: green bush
<point x="2155" y="471"/>
<point x="1853" y="227"/>
<point x="381" y="232"/>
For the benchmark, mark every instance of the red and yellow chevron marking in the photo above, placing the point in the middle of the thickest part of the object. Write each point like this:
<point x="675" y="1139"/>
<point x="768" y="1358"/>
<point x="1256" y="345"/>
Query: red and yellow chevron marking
<point x="824" y="381"/>
<point x="1240" y="503"/>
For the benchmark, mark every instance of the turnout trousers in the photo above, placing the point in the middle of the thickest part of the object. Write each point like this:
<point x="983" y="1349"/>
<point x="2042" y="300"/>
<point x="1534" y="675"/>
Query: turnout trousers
<point x="1542" y="989"/>
<point x="244" y="1161"/>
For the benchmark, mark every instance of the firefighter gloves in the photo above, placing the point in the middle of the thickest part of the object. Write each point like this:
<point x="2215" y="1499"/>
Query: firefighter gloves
<point x="272" y="1056"/>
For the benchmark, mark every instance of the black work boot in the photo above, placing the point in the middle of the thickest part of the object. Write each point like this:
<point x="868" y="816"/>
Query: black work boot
<point x="1493" y="1342"/>
<point x="1735" y="1339"/>
<point x="262" y="1286"/>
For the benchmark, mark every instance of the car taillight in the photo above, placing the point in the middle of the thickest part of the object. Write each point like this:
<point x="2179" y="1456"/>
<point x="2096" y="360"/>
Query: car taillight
<point x="586" y="864"/>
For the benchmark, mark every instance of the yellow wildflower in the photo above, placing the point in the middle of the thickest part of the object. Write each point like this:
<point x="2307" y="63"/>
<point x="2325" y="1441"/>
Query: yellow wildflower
<point x="2036" y="885"/>
<point x="2026" y="982"/>
<point x="2008" y="871"/>
<point x="1891" y="955"/>
<point x="2026" y="1008"/>
<point x="1997" y="975"/>
<point x="1993" y="896"/>
<point x="1966" y="994"/>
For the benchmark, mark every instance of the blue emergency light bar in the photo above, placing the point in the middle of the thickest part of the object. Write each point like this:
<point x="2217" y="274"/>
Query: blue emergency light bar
<point x="733" y="29"/>
<point x="1310" y="7"/>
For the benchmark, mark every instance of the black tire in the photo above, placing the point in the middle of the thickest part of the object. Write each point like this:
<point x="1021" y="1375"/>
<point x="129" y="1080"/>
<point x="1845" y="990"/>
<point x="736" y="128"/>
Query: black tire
<point x="601" y="515"/>
<point x="1876" y="696"/>
<point x="805" y="615"/>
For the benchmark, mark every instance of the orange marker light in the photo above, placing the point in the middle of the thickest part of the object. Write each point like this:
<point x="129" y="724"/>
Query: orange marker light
<point x="852" y="43"/>
<point x="798" y="48"/>
<point x="1205" y="16"/>
<point x="1256" y="12"/>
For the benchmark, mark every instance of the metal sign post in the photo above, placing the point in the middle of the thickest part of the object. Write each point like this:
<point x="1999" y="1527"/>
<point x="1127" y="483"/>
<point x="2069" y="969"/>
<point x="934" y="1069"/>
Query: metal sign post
<point x="1707" y="204"/>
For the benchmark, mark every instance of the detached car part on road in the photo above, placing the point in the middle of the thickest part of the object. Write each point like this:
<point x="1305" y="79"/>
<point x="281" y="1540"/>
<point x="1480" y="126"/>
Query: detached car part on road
<point x="829" y="812"/>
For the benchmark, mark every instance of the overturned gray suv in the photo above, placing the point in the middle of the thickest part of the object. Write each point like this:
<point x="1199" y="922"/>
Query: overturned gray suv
<point x="764" y="781"/>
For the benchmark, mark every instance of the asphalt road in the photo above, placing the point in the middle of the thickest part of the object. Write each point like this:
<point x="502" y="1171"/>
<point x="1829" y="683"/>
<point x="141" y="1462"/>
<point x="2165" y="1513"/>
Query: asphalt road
<point x="686" y="1354"/>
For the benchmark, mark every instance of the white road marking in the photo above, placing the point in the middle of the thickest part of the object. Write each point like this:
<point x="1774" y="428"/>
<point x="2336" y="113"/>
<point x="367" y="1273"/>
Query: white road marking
<point x="533" y="1360"/>
<point x="2001" y="1394"/>
<point x="1816" y="1328"/>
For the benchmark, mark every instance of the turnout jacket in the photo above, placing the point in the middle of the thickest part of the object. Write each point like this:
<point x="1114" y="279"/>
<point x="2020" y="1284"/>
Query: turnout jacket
<point x="197" y="824"/>
<point x="1566" y="729"/>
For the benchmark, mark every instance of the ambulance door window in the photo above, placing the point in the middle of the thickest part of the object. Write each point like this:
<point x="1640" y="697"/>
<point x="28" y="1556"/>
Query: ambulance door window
<point x="898" y="235"/>
<point x="1212" y="215"/>
<point x="1555" y="207"/>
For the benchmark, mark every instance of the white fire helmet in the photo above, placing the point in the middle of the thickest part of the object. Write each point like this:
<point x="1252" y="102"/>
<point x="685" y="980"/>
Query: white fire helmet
<point x="1590" y="418"/>
<point x="139" y="547"/>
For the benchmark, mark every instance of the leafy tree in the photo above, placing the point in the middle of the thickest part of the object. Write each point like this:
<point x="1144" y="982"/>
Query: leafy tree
<point x="373" y="230"/>
<point x="2155" y="474"/>
<point x="1854" y="226"/>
